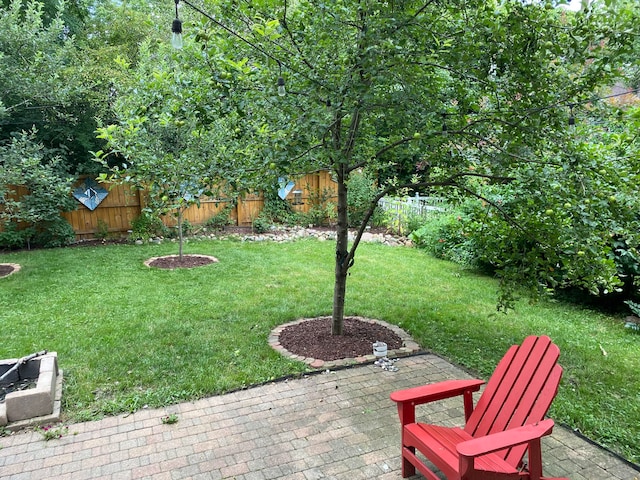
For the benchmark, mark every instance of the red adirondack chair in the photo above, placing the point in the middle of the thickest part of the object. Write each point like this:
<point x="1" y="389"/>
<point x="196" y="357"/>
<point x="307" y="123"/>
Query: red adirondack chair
<point x="507" y="421"/>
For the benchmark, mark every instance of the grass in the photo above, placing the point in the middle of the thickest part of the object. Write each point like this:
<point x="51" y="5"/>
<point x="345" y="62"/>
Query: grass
<point x="129" y="336"/>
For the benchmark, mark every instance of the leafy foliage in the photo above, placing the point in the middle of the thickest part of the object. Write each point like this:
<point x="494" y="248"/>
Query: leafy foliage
<point x="322" y="210"/>
<point x="462" y="95"/>
<point x="570" y="221"/>
<point x="362" y="192"/>
<point x="147" y="225"/>
<point x="384" y="89"/>
<point x="47" y="192"/>
<point x="222" y="218"/>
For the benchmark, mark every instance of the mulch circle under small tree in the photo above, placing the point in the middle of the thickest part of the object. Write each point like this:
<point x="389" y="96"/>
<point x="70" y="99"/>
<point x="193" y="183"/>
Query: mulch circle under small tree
<point x="7" y="269"/>
<point x="171" y="262"/>
<point x="312" y="338"/>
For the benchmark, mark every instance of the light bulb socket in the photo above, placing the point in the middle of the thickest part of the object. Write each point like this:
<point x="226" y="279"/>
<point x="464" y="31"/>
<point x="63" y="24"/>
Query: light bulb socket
<point x="572" y="119"/>
<point x="176" y="26"/>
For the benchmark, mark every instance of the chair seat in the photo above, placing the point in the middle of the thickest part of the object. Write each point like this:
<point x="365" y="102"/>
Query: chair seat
<point x="439" y="445"/>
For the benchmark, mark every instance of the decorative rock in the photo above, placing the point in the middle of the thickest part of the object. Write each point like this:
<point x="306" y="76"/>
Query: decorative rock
<point x="288" y="234"/>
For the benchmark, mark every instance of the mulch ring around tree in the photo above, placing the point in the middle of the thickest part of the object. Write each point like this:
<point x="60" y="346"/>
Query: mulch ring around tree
<point x="171" y="262"/>
<point x="310" y="340"/>
<point x="7" y="269"/>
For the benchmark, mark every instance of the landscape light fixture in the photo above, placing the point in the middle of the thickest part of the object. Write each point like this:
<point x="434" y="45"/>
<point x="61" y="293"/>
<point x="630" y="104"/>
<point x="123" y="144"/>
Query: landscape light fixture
<point x="176" y="30"/>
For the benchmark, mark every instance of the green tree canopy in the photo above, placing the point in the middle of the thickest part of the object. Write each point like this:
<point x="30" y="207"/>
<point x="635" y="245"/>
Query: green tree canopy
<point x="422" y="95"/>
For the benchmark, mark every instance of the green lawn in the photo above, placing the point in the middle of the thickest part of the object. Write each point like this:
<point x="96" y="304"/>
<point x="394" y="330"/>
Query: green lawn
<point x="129" y="336"/>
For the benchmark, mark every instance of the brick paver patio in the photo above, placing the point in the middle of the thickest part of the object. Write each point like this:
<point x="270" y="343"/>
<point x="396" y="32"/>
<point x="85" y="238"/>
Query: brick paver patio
<point x="337" y="425"/>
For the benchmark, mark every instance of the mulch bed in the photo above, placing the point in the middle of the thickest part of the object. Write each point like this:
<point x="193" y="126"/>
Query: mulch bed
<point x="313" y="339"/>
<point x="170" y="262"/>
<point x="7" y="269"/>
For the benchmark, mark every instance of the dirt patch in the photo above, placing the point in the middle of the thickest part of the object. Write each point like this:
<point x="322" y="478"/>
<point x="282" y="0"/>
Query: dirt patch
<point x="313" y="339"/>
<point x="171" y="262"/>
<point x="7" y="269"/>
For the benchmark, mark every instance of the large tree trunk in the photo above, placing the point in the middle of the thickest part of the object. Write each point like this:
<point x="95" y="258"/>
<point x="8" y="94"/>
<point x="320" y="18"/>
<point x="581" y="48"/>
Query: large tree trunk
<point x="342" y="262"/>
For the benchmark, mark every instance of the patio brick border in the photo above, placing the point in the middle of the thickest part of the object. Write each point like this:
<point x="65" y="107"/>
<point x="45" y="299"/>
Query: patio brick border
<point x="409" y="346"/>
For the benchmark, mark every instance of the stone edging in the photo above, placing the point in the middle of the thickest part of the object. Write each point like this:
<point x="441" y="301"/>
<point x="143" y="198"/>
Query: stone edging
<point x="16" y="269"/>
<point x="148" y="261"/>
<point x="409" y="346"/>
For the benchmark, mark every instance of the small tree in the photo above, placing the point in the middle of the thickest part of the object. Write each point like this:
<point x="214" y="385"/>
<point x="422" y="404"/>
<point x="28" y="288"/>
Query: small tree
<point x="159" y="144"/>
<point x="25" y="163"/>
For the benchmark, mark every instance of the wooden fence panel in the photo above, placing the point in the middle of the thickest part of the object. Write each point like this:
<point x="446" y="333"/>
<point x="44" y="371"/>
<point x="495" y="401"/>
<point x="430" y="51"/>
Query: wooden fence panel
<point x="123" y="205"/>
<point x="116" y="212"/>
<point x="248" y="208"/>
<point x="207" y="209"/>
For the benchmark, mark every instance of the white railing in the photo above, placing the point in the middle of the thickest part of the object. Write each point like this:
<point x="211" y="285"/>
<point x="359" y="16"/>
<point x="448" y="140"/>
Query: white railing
<point x="412" y="206"/>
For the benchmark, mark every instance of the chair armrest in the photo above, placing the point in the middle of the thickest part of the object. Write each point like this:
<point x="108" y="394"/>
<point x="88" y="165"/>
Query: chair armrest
<point x="501" y="440"/>
<point x="407" y="399"/>
<point x="436" y="391"/>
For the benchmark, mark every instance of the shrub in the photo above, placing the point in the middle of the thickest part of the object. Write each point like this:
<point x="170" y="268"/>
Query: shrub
<point x="187" y="227"/>
<point x="146" y="226"/>
<point x="27" y="163"/>
<point x="12" y="238"/>
<point x="102" y="231"/>
<point x="276" y="210"/>
<point x="444" y="236"/>
<point x="261" y="224"/>
<point x="322" y="210"/>
<point x="54" y="233"/>
<point x="362" y="191"/>
<point x="221" y="219"/>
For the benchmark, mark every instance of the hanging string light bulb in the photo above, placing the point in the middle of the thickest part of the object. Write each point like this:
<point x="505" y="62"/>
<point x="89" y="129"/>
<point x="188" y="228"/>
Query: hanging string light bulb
<point x="572" y="119"/>
<point x="282" y="91"/>
<point x="176" y="30"/>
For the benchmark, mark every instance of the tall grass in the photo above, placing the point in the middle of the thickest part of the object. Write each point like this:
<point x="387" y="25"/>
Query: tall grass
<point x="129" y="336"/>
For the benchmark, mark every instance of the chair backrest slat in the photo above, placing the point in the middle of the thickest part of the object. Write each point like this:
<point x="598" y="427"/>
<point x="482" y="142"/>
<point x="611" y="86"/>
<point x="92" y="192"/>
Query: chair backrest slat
<point x="519" y="392"/>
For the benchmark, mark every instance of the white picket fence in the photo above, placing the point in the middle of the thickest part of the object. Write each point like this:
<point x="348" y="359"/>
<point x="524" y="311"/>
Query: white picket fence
<point x="402" y="208"/>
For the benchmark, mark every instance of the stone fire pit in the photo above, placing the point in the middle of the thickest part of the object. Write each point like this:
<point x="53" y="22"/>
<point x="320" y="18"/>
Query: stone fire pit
<point x="31" y="406"/>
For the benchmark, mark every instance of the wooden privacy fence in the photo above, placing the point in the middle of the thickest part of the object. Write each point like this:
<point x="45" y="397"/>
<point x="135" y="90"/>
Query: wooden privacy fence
<point x="122" y="205"/>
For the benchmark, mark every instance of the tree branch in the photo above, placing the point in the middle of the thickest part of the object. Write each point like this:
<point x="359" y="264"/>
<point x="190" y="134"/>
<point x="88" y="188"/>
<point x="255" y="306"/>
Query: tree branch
<point x="293" y="40"/>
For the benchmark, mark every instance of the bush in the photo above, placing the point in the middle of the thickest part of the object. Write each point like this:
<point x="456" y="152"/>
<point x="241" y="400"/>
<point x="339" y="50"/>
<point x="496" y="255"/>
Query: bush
<point x="276" y="210"/>
<point x="322" y="211"/>
<point x="221" y="219"/>
<point x="261" y="224"/>
<point x="146" y="226"/>
<point x="444" y="237"/>
<point x="187" y="227"/>
<point x="54" y="233"/>
<point x="11" y="238"/>
<point x="415" y="221"/>
<point x="102" y="231"/>
<point x="362" y="191"/>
